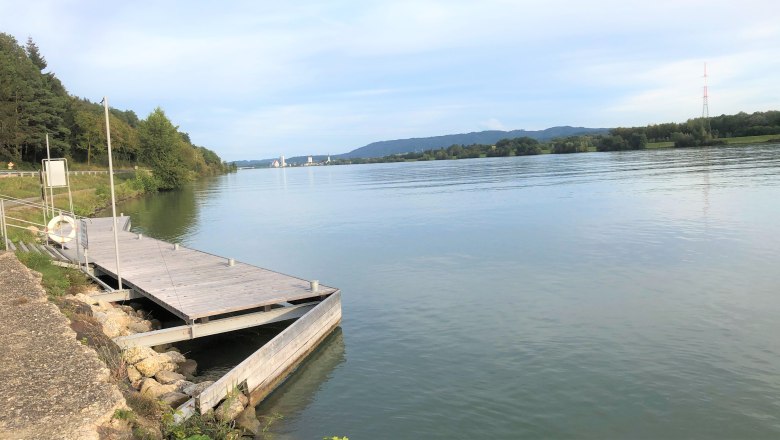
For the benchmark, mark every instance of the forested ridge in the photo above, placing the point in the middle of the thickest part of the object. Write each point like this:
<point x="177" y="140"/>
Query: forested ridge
<point x="34" y="103"/>
<point x="692" y="133"/>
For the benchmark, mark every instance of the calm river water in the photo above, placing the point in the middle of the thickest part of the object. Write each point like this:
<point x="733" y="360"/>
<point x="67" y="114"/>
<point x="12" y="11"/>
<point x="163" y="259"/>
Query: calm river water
<point x="600" y="295"/>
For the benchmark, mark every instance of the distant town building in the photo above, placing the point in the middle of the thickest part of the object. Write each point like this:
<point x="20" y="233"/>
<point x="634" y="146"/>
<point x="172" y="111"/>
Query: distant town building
<point x="275" y="164"/>
<point x="309" y="160"/>
<point x="282" y="163"/>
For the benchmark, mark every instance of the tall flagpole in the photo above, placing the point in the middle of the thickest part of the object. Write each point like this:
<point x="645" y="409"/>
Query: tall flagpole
<point x="113" y="198"/>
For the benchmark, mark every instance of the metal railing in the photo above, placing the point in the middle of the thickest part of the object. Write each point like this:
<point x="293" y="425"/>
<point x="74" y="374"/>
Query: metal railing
<point x="35" y="173"/>
<point x="10" y="221"/>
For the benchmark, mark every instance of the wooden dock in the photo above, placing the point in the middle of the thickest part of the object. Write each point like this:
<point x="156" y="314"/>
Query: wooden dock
<point x="189" y="283"/>
<point x="213" y="294"/>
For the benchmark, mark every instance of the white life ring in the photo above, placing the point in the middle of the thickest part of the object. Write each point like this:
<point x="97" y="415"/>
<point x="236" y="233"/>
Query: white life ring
<point x="54" y="225"/>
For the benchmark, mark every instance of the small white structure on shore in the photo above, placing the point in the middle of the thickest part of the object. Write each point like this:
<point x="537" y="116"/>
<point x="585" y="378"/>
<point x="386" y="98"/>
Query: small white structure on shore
<point x="309" y="160"/>
<point x="282" y="162"/>
<point x="275" y="164"/>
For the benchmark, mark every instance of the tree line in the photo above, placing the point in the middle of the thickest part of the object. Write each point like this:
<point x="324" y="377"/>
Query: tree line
<point x="34" y="103"/>
<point x="521" y="146"/>
<point x="702" y="132"/>
<point x="692" y="133"/>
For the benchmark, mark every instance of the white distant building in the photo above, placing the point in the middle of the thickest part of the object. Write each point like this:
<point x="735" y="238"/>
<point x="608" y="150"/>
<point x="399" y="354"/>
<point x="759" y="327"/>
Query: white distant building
<point x="309" y="160"/>
<point x="275" y="164"/>
<point x="282" y="163"/>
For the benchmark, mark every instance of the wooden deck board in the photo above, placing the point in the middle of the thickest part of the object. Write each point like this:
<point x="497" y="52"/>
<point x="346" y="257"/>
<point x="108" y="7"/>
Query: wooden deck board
<point x="190" y="283"/>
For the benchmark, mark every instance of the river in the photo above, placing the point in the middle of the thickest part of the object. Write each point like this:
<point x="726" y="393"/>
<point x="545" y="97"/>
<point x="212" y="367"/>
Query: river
<point x="599" y="295"/>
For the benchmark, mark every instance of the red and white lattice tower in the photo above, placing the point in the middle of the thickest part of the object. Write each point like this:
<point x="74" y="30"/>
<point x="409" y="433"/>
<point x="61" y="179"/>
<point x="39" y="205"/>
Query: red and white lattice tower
<point x="705" y="106"/>
<point x="705" y="109"/>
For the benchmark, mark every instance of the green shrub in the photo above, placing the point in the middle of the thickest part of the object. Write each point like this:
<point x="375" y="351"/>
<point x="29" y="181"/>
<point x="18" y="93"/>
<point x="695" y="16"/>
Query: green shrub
<point x="103" y="194"/>
<point x="198" y="427"/>
<point x="54" y="280"/>
<point x="144" y="182"/>
<point x="124" y="414"/>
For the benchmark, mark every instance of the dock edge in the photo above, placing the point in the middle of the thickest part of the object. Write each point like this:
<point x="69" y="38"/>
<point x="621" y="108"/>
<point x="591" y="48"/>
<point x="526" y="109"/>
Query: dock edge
<point x="265" y="369"/>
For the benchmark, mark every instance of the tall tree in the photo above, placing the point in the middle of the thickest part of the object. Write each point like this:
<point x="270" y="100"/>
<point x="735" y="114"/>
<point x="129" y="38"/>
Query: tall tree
<point x="88" y="134"/>
<point x="35" y="54"/>
<point x="162" y="148"/>
<point x="32" y="104"/>
<point x="13" y="92"/>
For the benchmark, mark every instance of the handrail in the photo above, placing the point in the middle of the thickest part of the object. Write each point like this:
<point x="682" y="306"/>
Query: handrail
<point x="26" y="202"/>
<point x="8" y="217"/>
<point x="34" y="173"/>
<point x="7" y="221"/>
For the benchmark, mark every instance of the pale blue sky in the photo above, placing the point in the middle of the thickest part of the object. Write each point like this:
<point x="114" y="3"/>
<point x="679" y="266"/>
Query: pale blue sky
<point x="256" y="79"/>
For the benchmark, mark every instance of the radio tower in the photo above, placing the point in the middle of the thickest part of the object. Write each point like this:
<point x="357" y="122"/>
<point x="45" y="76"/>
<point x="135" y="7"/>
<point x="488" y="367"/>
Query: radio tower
<point x="705" y="109"/>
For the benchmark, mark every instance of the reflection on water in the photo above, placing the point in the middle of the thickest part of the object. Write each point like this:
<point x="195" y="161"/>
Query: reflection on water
<point x="302" y="388"/>
<point x="600" y="295"/>
<point x="170" y="215"/>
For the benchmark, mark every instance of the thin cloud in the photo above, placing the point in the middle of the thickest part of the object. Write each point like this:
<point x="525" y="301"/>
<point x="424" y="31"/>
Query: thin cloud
<point x="249" y="79"/>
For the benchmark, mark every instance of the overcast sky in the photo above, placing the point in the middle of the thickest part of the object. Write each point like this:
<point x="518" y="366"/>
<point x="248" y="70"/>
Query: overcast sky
<point x="256" y="79"/>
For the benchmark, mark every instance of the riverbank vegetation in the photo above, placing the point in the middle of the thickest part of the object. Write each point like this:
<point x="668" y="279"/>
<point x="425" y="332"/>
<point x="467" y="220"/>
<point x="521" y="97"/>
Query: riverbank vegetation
<point x="741" y="128"/>
<point x="91" y="194"/>
<point x="57" y="281"/>
<point x="34" y="103"/>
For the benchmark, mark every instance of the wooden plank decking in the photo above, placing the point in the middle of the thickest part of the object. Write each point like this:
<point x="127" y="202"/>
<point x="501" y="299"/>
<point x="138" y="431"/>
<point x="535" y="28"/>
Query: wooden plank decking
<point x="189" y="283"/>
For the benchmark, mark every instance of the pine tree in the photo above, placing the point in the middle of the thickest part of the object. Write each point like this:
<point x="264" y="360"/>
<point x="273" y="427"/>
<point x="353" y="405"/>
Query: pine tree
<point x="34" y="54"/>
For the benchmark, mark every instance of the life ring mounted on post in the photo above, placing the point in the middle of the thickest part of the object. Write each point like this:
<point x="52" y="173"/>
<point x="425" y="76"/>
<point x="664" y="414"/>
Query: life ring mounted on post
<point x="55" y="226"/>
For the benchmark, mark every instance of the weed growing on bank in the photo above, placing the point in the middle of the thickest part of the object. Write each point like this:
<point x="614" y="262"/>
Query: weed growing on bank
<point x="57" y="281"/>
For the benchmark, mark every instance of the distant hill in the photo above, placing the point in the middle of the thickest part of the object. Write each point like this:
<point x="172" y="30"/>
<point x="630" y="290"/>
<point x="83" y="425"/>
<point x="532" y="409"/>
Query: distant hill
<point x="386" y="148"/>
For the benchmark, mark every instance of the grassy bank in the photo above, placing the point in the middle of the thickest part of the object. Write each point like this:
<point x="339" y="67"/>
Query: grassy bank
<point x="91" y="193"/>
<point x="57" y="281"/>
<point x="743" y="140"/>
<point x="29" y="187"/>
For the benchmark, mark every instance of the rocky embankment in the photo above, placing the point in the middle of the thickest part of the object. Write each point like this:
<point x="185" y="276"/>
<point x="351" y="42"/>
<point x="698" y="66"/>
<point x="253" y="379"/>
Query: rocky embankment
<point x="51" y="385"/>
<point x="163" y="373"/>
<point x="54" y="380"/>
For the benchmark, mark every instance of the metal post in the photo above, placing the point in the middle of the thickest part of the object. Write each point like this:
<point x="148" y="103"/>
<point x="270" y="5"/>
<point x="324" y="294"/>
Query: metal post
<point x="113" y="198"/>
<point x="78" y="237"/>
<point x="2" y="223"/>
<point x="48" y="175"/>
<point x="70" y="193"/>
<point x="43" y="193"/>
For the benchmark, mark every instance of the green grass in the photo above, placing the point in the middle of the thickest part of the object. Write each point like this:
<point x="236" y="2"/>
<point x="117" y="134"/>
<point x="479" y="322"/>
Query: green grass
<point x="742" y="140"/>
<point x="124" y="414"/>
<point x="19" y="187"/>
<point x="665" y="144"/>
<point x="198" y="426"/>
<point x="751" y="139"/>
<point x="90" y="194"/>
<point x="25" y="187"/>
<point x="57" y="281"/>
